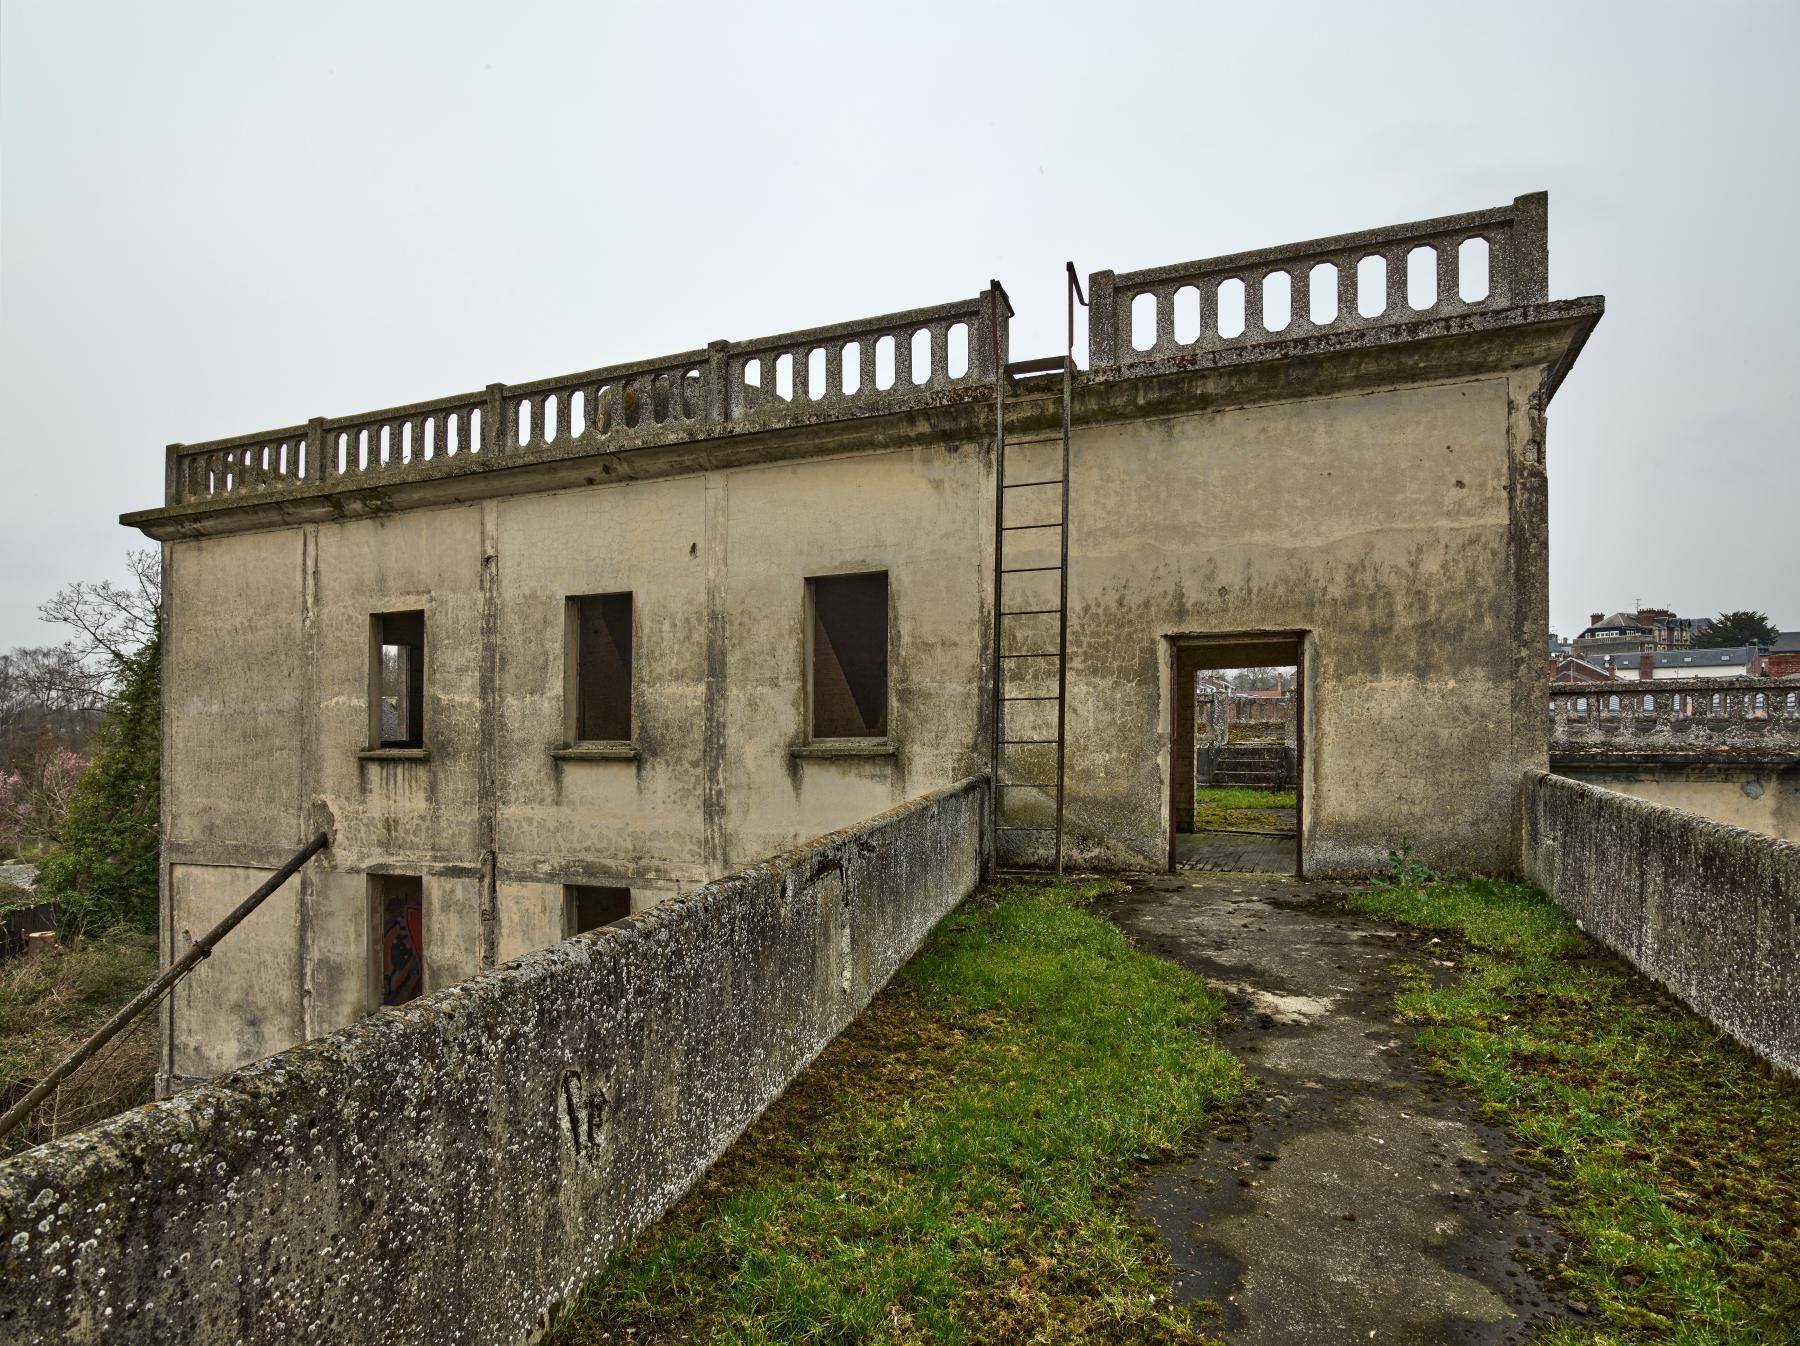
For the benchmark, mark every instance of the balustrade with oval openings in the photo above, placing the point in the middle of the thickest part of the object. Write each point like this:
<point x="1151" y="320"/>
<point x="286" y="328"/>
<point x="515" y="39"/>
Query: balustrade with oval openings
<point x="1486" y="259"/>
<point x="1758" y="713"/>
<point x="857" y="368"/>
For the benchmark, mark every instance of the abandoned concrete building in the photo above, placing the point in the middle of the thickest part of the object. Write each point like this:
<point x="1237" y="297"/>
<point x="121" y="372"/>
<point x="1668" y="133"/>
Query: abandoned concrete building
<point x="548" y="653"/>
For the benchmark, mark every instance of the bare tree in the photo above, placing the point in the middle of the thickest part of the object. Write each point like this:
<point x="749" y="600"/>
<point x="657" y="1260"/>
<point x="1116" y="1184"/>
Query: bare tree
<point x="1262" y="679"/>
<point x="111" y="621"/>
<point x="51" y="696"/>
<point x="45" y="689"/>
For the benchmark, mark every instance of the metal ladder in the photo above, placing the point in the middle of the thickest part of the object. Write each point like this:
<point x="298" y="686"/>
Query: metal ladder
<point x="1020" y="659"/>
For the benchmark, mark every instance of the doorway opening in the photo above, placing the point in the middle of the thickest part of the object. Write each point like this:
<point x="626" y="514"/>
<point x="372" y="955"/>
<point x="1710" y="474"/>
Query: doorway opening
<point x="1237" y="744"/>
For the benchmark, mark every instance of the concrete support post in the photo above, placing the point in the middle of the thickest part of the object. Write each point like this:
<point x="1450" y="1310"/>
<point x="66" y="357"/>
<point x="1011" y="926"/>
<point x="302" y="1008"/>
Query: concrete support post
<point x="172" y="475"/>
<point x="493" y="437"/>
<point x="1103" y="321"/>
<point x="320" y="466"/>
<point x="718" y="382"/>
<point x="988" y="347"/>
<point x="1529" y="265"/>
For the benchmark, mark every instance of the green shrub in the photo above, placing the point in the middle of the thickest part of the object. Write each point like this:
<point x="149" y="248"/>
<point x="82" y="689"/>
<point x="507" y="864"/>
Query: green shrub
<point x="102" y="871"/>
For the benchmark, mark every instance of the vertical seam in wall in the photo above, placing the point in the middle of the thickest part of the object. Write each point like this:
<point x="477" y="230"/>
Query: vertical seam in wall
<point x="1527" y="491"/>
<point x="309" y="710"/>
<point x="983" y="751"/>
<point x="712" y="748"/>
<point x="488" y="784"/>
<point x="165" y="868"/>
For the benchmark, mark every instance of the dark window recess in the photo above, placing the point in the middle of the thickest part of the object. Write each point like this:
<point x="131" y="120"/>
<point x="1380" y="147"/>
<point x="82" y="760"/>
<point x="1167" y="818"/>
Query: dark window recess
<point x="849" y="656"/>
<point x="591" y="907"/>
<point x="603" y="668"/>
<point x="398" y="696"/>
<point x="402" y="938"/>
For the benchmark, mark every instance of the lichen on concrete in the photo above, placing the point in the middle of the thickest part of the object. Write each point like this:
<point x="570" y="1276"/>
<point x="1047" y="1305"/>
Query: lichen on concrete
<point x="449" y="1170"/>
<point x="1709" y="910"/>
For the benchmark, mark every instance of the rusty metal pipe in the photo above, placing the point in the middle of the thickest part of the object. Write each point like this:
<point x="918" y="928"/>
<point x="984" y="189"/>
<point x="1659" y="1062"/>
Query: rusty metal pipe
<point x="202" y="948"/>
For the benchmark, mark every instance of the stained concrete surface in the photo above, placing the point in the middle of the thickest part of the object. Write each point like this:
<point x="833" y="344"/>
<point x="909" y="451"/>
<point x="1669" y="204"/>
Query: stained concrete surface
<point x="1264" y="845"/>
<point x="1387" y="1212"/>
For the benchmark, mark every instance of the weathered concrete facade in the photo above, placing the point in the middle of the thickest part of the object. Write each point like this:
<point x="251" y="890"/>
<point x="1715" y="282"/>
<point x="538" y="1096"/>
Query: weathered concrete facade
<point x="1710" y="911"/>
<point x="449" y="1170"/>
<point x="1369" y="489"/>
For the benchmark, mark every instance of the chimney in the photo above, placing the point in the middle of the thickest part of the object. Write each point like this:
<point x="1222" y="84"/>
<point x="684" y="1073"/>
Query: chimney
<point x="1596" y="619"/>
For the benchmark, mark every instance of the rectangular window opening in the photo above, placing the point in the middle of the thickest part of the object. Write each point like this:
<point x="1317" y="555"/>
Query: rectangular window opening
<point x="400" y="936"/>
<point x="848" y="681"/>
<point x="397" y="678"/>
<point x="599" y="691"/>
<point x="589" y="907"/>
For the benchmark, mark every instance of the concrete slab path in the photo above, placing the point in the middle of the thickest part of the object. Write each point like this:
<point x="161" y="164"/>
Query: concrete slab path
<point x="1234" y="852"/>
<point x="1361" y="1201"/>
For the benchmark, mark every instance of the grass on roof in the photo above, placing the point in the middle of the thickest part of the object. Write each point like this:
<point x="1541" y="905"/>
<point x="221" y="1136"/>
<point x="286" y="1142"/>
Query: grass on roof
<point x="1674" y="1154"/>
<point x="958" y="1165"/>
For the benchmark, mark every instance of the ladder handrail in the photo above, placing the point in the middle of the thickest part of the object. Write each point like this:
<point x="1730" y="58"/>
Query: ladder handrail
<point x="1002" y="373"/>
<point x="199" y="950"/>
<point x="1062" y="620"/>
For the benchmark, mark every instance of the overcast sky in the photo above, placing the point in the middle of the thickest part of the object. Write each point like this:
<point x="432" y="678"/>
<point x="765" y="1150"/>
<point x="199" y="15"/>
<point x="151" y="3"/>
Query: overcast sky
<point x="219" y="218"/>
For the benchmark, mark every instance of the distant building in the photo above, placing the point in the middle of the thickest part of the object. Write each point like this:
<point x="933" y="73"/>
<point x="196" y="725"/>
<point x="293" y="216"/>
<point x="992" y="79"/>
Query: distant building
<point x="1620" y="632"/>
<point x="1672" y="632"/>
<point x="1744" y="661"/>
<point x="1783" y="658"/>
<point x="1571" y="668"/>
<point x="1637" y="632"/>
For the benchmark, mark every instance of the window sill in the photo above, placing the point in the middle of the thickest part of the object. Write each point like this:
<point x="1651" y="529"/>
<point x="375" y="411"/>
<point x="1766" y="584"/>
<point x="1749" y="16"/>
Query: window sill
<point x="596" y="752"/>
<point x="845" y="747"/>
<point x="394" y="754"/>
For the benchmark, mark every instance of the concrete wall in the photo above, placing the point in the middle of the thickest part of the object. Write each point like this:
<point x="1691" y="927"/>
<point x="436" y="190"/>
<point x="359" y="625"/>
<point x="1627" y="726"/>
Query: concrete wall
<point x="492" y="815"/>
<point x="449" y="1170"/>
<point x="1396" y="530"/>
<point x="1760" y="797"/>
<point x="1710" y="911"/>
<point x="1378" y="504"/>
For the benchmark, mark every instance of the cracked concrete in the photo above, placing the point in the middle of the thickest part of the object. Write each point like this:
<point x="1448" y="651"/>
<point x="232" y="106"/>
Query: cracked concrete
<point x="1361" y="1201"/>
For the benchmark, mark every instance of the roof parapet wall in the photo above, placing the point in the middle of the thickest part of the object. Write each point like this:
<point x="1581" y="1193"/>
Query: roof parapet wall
<point x="1518" y="273"/>
<point x="752" y="385"/>
<point x="835" y="373"/>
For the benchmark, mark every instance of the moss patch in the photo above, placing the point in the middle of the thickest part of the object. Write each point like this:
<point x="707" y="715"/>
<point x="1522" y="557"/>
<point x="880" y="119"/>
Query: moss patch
<point x="956" y="1167"/>
<point x="1675" y="1155"/>
<point x="1241" y="797"/>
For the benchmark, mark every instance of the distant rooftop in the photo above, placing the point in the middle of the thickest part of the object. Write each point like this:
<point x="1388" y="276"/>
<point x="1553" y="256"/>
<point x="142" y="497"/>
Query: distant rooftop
<point x="1699" y="660"/>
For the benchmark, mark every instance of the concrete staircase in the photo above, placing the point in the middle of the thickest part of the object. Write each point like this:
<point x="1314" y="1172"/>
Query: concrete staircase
<point x="1253" y="766"/>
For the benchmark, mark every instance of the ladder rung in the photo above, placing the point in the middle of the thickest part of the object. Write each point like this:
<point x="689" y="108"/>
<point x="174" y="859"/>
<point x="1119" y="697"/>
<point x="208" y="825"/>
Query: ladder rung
<point x="1021" y="527"/>
<point x="1030" y="698"/>
<point x="1013" y="827"/>
<point x="1029" y="612"/>
<point x="1027" y="785"/>
<point x="1043" y="654"/>
<point x="1027" y="570"/>
<point x="1020" y="485"/>
<point x="1026" y="740"/>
